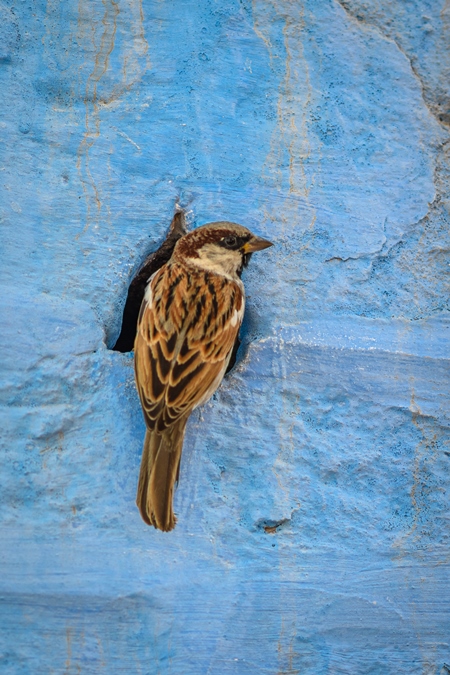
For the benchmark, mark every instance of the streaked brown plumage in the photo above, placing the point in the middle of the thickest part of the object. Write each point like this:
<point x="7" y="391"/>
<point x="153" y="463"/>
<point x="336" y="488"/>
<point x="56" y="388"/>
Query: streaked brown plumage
<point x="188" y="323"/>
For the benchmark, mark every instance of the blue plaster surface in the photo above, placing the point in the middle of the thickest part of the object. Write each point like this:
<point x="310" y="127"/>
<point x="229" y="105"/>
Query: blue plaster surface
<point x="313" y="502"/>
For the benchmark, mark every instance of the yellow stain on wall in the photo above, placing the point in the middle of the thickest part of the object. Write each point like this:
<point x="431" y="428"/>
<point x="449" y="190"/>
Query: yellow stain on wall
<point x="106" y="86"/>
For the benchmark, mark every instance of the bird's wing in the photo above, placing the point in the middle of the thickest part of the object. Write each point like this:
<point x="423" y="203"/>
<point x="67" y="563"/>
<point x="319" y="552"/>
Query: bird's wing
<point x="186" y="331"/>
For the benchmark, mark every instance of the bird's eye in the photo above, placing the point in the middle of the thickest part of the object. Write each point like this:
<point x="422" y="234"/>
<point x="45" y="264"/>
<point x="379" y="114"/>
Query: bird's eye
<point x="230" y="242"/>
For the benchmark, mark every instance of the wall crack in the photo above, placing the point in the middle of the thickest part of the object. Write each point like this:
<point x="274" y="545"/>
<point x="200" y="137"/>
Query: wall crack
<point x="361" y="21"/>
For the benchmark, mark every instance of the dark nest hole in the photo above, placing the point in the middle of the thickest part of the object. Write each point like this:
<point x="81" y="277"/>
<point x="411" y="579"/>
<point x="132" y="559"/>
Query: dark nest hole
<point x="136" y="290"/>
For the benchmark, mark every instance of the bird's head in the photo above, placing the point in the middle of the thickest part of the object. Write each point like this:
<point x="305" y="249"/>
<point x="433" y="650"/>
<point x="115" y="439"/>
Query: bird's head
<point x="224" y="248"/>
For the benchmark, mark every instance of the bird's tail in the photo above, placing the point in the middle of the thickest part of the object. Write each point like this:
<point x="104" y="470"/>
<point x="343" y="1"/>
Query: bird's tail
<point x="160" y="466"/>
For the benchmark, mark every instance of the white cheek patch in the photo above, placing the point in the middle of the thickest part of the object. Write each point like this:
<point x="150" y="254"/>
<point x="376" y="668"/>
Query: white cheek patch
<point x="219" y="260"/>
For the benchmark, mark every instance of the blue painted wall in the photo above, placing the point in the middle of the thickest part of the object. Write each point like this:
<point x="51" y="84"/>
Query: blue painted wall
<point x="313" y="503"/>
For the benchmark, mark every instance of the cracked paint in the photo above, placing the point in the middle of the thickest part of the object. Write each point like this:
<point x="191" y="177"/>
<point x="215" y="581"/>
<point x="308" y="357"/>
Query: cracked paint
<point x="423" y="58"/>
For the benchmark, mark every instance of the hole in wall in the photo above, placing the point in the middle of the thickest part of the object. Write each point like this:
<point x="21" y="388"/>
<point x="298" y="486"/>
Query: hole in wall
<point x="272" y="526"/>
<point x="136" y="290"/>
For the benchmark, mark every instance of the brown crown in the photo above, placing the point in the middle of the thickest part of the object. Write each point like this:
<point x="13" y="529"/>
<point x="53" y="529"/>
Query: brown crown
<point x="189" y="245"/>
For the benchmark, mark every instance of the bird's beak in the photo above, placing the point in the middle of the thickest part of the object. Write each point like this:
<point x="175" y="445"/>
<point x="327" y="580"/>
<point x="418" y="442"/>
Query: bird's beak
<point x="256" y="244"/>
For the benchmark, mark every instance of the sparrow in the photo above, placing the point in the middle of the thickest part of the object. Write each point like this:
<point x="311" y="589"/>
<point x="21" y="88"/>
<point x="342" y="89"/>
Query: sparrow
<point x="187" y="327"/>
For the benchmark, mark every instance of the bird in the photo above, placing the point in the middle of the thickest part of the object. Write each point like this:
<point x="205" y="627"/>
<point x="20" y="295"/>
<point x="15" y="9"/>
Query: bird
<point x="187" y="326"/>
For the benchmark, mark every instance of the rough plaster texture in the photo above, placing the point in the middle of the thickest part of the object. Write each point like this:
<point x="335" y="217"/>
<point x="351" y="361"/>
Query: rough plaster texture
<point x="313" y="504"/>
